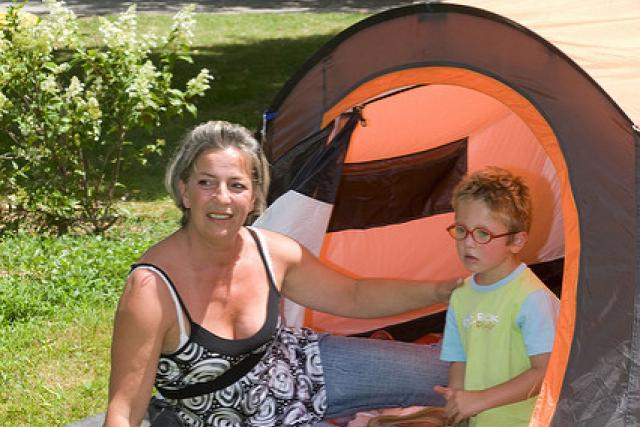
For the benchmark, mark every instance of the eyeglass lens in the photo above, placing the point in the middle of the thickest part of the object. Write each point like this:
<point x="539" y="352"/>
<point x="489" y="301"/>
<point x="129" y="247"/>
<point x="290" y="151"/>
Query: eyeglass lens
<point x="460" y="232"/>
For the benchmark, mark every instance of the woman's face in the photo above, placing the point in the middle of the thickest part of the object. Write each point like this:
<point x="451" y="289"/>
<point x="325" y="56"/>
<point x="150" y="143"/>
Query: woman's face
<point x="219" y="192"/>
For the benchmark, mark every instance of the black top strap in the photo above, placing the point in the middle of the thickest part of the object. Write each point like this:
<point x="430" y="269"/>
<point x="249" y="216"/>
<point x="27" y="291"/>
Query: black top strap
<point x="265" y="258"/>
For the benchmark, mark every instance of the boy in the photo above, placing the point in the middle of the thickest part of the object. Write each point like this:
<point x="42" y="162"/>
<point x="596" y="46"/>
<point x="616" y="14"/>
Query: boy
<point x="501" y="323"/>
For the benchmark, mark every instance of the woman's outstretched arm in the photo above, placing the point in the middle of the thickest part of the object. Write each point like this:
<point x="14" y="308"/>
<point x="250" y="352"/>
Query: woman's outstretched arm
<point x="309" y="282"/>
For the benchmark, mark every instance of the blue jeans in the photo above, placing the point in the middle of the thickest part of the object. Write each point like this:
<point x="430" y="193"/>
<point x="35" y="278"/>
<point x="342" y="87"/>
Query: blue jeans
<point x="362" y="374"/>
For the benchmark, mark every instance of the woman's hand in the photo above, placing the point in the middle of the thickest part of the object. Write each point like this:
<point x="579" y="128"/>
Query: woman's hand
<point x="446" y="288"/>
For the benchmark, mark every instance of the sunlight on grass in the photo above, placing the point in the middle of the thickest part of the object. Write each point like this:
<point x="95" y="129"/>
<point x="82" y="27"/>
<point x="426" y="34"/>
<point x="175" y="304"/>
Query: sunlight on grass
<point x="54" y="371"/>
<point x="57" y="300"/>
<point x="225" y="29"/>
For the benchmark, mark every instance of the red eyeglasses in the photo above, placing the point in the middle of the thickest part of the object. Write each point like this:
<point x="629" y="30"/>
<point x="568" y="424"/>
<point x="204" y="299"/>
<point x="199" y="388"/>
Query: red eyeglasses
<point x="479" y="235"/>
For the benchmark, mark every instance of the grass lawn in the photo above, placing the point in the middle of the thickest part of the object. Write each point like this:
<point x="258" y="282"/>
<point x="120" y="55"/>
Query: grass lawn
<point x="58" y="295"/>
<point x="57" y="298"/>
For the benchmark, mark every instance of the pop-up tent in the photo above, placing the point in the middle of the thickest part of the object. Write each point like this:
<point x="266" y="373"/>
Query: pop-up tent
<point x="369" y="137"/>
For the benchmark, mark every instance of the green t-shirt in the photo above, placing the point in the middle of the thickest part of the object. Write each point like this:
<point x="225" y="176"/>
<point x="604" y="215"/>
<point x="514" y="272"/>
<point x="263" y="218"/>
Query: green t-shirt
<point x="494" y="345"/>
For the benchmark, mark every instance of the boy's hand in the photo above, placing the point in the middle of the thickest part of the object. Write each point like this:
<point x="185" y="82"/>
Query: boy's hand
<point x="461" y="404"/>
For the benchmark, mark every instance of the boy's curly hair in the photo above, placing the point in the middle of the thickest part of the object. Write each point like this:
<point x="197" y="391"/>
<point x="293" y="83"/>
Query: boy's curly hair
<point x="506" y="194"/>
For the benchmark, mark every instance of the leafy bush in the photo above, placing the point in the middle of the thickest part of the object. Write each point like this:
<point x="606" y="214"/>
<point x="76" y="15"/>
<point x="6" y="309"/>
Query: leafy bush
<point x="68" y="107"/>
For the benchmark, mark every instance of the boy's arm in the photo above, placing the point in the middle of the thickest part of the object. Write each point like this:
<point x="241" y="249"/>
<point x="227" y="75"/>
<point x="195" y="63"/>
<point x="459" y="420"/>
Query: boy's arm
<point x="519" y="388"/>
<point x="456" y="375"/>
<point x="456" y="383"/>
<point x="455" y="386"/>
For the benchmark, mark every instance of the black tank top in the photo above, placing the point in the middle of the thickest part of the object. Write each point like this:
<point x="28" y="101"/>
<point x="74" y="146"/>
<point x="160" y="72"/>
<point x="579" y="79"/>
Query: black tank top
<point x="209" y="346"/>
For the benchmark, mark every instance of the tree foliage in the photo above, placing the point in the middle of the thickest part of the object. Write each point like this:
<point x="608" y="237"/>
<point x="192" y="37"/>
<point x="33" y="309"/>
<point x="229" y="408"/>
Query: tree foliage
<point x="67" y="109"/>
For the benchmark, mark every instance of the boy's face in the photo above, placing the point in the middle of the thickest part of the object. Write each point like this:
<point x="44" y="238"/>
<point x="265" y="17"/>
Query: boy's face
<point x="494" y="260"/>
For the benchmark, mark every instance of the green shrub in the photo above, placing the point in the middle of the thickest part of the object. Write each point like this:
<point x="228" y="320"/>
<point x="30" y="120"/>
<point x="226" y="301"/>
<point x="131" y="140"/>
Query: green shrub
<point x="67" y="109"/>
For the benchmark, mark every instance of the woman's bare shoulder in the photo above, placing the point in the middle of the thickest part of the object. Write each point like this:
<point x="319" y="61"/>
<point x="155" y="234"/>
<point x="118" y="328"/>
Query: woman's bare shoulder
<point x="145" y="308"/>
<point x="160" y="252"/>
<point x="145" y="285"/>
<point x="281" y="246"/>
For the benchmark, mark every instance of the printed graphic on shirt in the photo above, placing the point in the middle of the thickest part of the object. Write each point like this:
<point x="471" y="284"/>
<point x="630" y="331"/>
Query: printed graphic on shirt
<point x="481" y="320"/>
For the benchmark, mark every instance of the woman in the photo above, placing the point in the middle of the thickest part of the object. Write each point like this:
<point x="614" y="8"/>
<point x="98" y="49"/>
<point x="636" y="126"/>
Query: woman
<point x="199" y="313"/>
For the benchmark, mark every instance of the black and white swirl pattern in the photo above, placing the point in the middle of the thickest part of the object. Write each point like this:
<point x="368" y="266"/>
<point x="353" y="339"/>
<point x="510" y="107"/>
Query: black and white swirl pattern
<point x="319" y="401"/>
<point x="168" y="370"/>
<point x="230" y="396"/>
<point x="303" y="388"/>
<point x="288" y="345"/>
<point x="267" y="413"/>
<point x="286" y="387"/>
<point x="313" y="366"/>
<point x="191" y="353"/>
<point x="206" y="370"/>
<point x="225" y="417"/>
<point x="198" y="404"/>
<point x="295" y="414"/>
<point x="258" y="372"/>
<point x="288" y="338"/>
<point x="190" y="419"/>
<point x="281" y="382"/>
<point x="253" y="398"/>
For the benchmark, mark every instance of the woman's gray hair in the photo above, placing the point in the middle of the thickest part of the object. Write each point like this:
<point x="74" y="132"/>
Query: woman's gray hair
<point x="217" y="135"/>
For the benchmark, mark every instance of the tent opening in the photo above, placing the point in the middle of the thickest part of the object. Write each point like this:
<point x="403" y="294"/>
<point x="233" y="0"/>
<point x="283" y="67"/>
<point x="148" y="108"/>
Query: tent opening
<point x="417" y="118"/>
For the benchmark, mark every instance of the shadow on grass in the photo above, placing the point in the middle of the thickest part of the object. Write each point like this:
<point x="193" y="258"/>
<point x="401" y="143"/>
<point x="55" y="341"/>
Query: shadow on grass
<point x="247" y="78"/>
